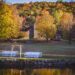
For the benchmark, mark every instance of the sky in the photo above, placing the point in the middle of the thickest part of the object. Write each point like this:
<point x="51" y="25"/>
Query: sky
<point x="26" y="1"/>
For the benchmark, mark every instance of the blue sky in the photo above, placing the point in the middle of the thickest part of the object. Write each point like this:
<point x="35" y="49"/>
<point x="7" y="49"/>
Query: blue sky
<point x="23" y="1"/>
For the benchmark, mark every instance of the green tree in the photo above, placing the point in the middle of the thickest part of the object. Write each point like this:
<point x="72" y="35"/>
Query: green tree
<point x="29" y="23"/>
<point x="9" y="25"/>
<point x="57" y="14"/>
<point x="59" y="0"/>
<point x="45" y="26"/>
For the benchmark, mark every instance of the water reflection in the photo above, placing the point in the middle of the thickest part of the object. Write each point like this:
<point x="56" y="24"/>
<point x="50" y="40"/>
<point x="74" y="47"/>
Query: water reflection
<point x="37" y="72"/>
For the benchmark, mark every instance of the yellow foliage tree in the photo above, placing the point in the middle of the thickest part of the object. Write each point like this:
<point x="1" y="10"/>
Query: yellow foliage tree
<point x="9" y="25"/>
<point x="45" y="26"/>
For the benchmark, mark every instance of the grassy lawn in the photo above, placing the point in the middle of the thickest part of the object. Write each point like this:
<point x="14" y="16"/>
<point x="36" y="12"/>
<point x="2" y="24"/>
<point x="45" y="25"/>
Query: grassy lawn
<point x="52" y="47"/>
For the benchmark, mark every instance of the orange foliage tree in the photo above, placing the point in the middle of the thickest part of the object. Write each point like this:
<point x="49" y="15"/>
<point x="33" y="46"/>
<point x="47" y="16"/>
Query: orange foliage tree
<point x="45" y="26"/>
<point x="66" y="24"/>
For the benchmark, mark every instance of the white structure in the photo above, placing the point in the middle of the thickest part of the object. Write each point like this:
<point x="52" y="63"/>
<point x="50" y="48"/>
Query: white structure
<point x="20" y="47"/>
<point x="33" y="54"/>
<point x="9" y="53"/>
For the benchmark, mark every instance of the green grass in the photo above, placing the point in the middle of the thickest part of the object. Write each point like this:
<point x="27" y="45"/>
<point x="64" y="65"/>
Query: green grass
<point x="48" y="48"/>
<point x="52" y="50"/>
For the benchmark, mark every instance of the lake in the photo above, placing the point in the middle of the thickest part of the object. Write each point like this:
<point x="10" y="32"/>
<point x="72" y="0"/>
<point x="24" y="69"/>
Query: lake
<point x="43" y="71"/>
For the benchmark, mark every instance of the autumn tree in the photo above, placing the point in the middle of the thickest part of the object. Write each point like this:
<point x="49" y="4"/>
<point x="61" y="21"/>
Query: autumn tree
<point x="57" y="15"/>
<point x="29" y="23"/>
<point x="45" y="26"/>
<point x="66" y="23"/>
<point x="9" y="25"/>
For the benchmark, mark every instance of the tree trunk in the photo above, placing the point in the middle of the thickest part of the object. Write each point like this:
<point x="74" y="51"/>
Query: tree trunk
<point x="47" y="39"/>
<point x="31" y="33"/>
<point x="70" y="38"/>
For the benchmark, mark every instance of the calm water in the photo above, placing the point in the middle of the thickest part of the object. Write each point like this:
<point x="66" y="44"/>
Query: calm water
<point x="37" y="72"/>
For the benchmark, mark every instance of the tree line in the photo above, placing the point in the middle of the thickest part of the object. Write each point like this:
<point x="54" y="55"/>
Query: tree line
<point x="51" y="20"/>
